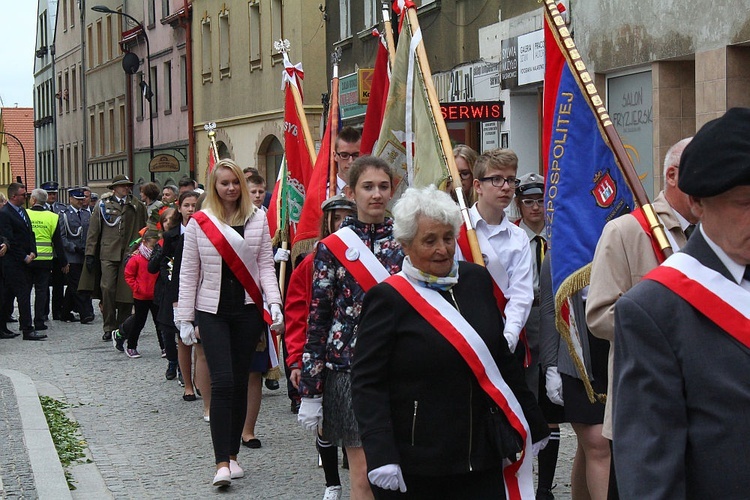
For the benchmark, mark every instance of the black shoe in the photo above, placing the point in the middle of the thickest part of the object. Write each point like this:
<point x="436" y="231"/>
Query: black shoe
<point x="171" y="372"/>
<point x="69" y="318"/>
<point x="118" y="340"/>
<point x="107" y="337"/>
<point x="7" y="334"/>
<point x="189" y="397"/>
<point x="41" y="327"/>
<point x="545" y="494"/>
<point x="295" y="406"/>
<point x="33" y="335"/>
<point x="272" y="384"/>
<point x="252" y="443"/>
<point x="87" y="320"/>
<point x="57" y="317"/>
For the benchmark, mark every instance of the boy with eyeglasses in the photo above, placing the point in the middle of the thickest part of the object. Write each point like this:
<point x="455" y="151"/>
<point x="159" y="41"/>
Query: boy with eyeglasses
<point x="505" y="246"/>
<point x="346" y="150"/>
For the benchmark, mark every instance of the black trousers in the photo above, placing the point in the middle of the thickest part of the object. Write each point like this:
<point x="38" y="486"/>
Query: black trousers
<point x="75" y="300"/>
<point x="40" y="275"/>
<point x="18" y="280"/>
<point x="133" y="325"/>
<point x="57" y="281"/>
<point x="478" y="485"/>
<point x="229" y="340"/>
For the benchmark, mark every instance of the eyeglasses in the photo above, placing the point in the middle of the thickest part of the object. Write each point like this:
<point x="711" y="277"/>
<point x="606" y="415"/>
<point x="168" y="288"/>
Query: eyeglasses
<point x="345" y="156"/>
<point x="499" y="181"/>
<point x="529" y="202"/>
<point x="465" y="174"/>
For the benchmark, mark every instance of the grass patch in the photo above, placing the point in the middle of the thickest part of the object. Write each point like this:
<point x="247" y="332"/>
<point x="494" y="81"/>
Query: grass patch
<point x="68" y="443"/>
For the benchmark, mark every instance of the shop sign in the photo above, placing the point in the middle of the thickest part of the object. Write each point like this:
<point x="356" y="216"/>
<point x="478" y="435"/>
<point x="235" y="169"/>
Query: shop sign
<point x="482" y="111"/>
<point x="349" y="105"/>
<point x="531" y="57"/>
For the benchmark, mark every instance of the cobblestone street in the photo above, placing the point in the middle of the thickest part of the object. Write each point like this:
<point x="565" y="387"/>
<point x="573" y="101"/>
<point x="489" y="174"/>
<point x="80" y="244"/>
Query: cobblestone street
<point x="144" y="440"/>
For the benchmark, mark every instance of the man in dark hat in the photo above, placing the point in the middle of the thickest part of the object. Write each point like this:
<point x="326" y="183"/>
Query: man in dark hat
<point x="74" y="226"/>
<point x="115" y="225"/>
<point x="682" y="363"/>
<point x="52" y="204"/>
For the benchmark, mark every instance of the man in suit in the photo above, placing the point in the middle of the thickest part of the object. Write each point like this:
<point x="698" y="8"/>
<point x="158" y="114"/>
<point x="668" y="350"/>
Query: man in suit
<point x="15" y="227"/>
<point x="682" y="371"/>
<point x="624" y="254"/>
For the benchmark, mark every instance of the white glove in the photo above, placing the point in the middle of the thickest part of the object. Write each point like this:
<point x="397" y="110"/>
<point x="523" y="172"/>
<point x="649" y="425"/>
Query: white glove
<point x="539" y="446"/>
<point x="310" y="415"/>
<point x="277" y="318"/>
<point x="187" y="332"/>
<point x="553" y="383"/>
<point x="281" y="255"/>
<point x="388" y="477"/>
<point x="512" y="341"/>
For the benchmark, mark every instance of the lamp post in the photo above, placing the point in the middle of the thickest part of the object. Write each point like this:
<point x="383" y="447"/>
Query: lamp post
<point x="147" y="92"/>
<point x="23" y="152"/>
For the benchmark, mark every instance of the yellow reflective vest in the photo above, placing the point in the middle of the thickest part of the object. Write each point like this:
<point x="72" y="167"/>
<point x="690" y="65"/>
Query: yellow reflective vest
<point x="43" y="223"/>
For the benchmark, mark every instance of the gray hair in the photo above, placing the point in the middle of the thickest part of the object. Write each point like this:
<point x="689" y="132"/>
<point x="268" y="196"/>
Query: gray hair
<point x="40" y="195"/>
<point x="674" y="153"/>
<point x="427" y="202"/>
<point x="172" y="188"/>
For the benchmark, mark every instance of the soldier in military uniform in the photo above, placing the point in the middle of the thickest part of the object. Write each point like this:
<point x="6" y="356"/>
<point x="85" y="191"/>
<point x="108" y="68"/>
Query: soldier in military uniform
<point x="57" y="280"/>
<point x="74" y="226"/>
<point x="115" y="223"/>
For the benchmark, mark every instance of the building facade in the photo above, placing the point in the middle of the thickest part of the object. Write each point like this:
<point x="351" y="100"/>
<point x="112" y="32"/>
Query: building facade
<point x="44" y="91"/>
<point x="237" y="77"/>
<point x="17" y="148"/>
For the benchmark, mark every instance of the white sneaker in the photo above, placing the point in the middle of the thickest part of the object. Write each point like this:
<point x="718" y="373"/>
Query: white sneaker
<point x="223" y="477"/>
<point x="332" y="493"/>
<point x="235" y="470"/>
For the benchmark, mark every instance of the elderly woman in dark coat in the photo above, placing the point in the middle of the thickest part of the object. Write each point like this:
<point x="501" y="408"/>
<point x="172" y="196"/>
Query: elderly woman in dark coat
<point x="432" y="425"/>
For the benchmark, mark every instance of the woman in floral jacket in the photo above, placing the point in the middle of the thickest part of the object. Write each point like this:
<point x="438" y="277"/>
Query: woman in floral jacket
<point x="334" y="314"/>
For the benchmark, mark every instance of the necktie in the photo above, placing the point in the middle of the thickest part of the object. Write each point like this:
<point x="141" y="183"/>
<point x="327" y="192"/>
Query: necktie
<point x="25" y="217"/>
<point x="541" y="248"/>
<point x="746" y="276"/>
<point x="689" y="231"/>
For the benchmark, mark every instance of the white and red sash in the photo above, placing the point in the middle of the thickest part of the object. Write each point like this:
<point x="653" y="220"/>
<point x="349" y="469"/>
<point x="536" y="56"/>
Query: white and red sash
<point x="500" y="279"/>
<point x="455" y="329"/>
<point x="234" y="251"/>
<point x="356" y="257"/>
<point x="722" y="301"/>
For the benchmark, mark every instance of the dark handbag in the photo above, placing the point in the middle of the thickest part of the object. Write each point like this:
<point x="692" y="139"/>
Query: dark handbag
<point x="507" y="441"/>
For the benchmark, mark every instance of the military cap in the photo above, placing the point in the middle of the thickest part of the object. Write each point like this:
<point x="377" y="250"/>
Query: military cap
<point x="338" y="202"/>
<point x="76" y="193"/>
<point x="50" y="187"/>
<point x="530" y="184"/>
<point x="718" y="157"/>
<point x="94" y="196"/>
<point x="120" y="180"/>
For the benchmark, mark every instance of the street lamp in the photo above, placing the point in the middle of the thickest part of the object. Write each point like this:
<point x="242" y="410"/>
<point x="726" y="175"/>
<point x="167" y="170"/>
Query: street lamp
<point x="147" y="92"/>
<point x="23" y="152"/>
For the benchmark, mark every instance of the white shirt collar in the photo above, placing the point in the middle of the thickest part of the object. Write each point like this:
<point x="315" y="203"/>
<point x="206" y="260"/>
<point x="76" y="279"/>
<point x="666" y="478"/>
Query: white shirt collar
<point x="530" y="232"/>
<point x="684" y="223"/>
<point x="736" y="270"/>
<point x="490" y="229"/>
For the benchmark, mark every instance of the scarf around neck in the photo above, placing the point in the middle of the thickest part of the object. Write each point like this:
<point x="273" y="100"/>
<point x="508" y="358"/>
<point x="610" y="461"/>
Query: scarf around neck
<point x="426" y="280"/>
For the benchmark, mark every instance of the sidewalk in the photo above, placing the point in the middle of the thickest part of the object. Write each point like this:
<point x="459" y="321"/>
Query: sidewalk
<point x="143" y="440"/>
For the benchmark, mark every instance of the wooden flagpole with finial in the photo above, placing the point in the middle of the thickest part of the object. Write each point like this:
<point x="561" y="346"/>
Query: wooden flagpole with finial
<point x="333" y="128"/>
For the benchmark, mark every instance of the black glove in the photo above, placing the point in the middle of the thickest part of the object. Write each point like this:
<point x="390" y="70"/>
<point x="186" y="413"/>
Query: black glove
<point x="90" y="261"/>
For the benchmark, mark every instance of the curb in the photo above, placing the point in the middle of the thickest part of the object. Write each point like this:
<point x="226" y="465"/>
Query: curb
<point x="49" y="477"/>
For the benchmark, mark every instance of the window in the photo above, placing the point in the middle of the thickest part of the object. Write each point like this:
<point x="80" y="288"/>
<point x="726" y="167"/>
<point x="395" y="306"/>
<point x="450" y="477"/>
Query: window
<point x="224" y="44"/>
<point x="68" y="159"/>
<point x="183" y="82"/>
<point x="80" y="86"/>
<point x="102" y="138"/>
<point x="372" y="13"/>
<point x="59" y="95"/>
<point x="111" y="143"/>
<point x="164" y="8"/>
<point x="75" y="169"/>
<point x="74" y="89"/>
<point x="122" y="127"/>
<point x="99" y="54"/>
<point x="151" y="12"/>
<point x="109" y="38"/>
<point x="92" y="132"/>
<point x="206" y="49"/>
<point x="277" y="18"/>
<point x="167" y="87"/>
<point x="153" y="85"/>
<point x="90" y="45"/>
<point x="64" y="9"/>
<point x="72" y="4"/>
<point x="66" y="92"/>
<point x="254" y="13"/>
<point x="61" y="155"/>
<point x="345" y="28"/>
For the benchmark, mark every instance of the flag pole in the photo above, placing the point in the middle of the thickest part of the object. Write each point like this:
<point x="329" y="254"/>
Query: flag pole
<point x="557" y="24"/>
<point x="388" y="28"/>
<point x="424" y="67"/>
<point x="334" y="122"/>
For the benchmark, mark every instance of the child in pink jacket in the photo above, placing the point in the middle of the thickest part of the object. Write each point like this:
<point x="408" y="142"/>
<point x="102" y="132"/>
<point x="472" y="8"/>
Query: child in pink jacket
<point x="142" y="283"/>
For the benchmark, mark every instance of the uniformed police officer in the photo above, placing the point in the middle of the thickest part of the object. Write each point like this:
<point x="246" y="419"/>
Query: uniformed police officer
<point x="115" y="223"/>
<point x="53" y="204"/>
<point x="44" y="225"/>
<point x="74" y="227"/>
